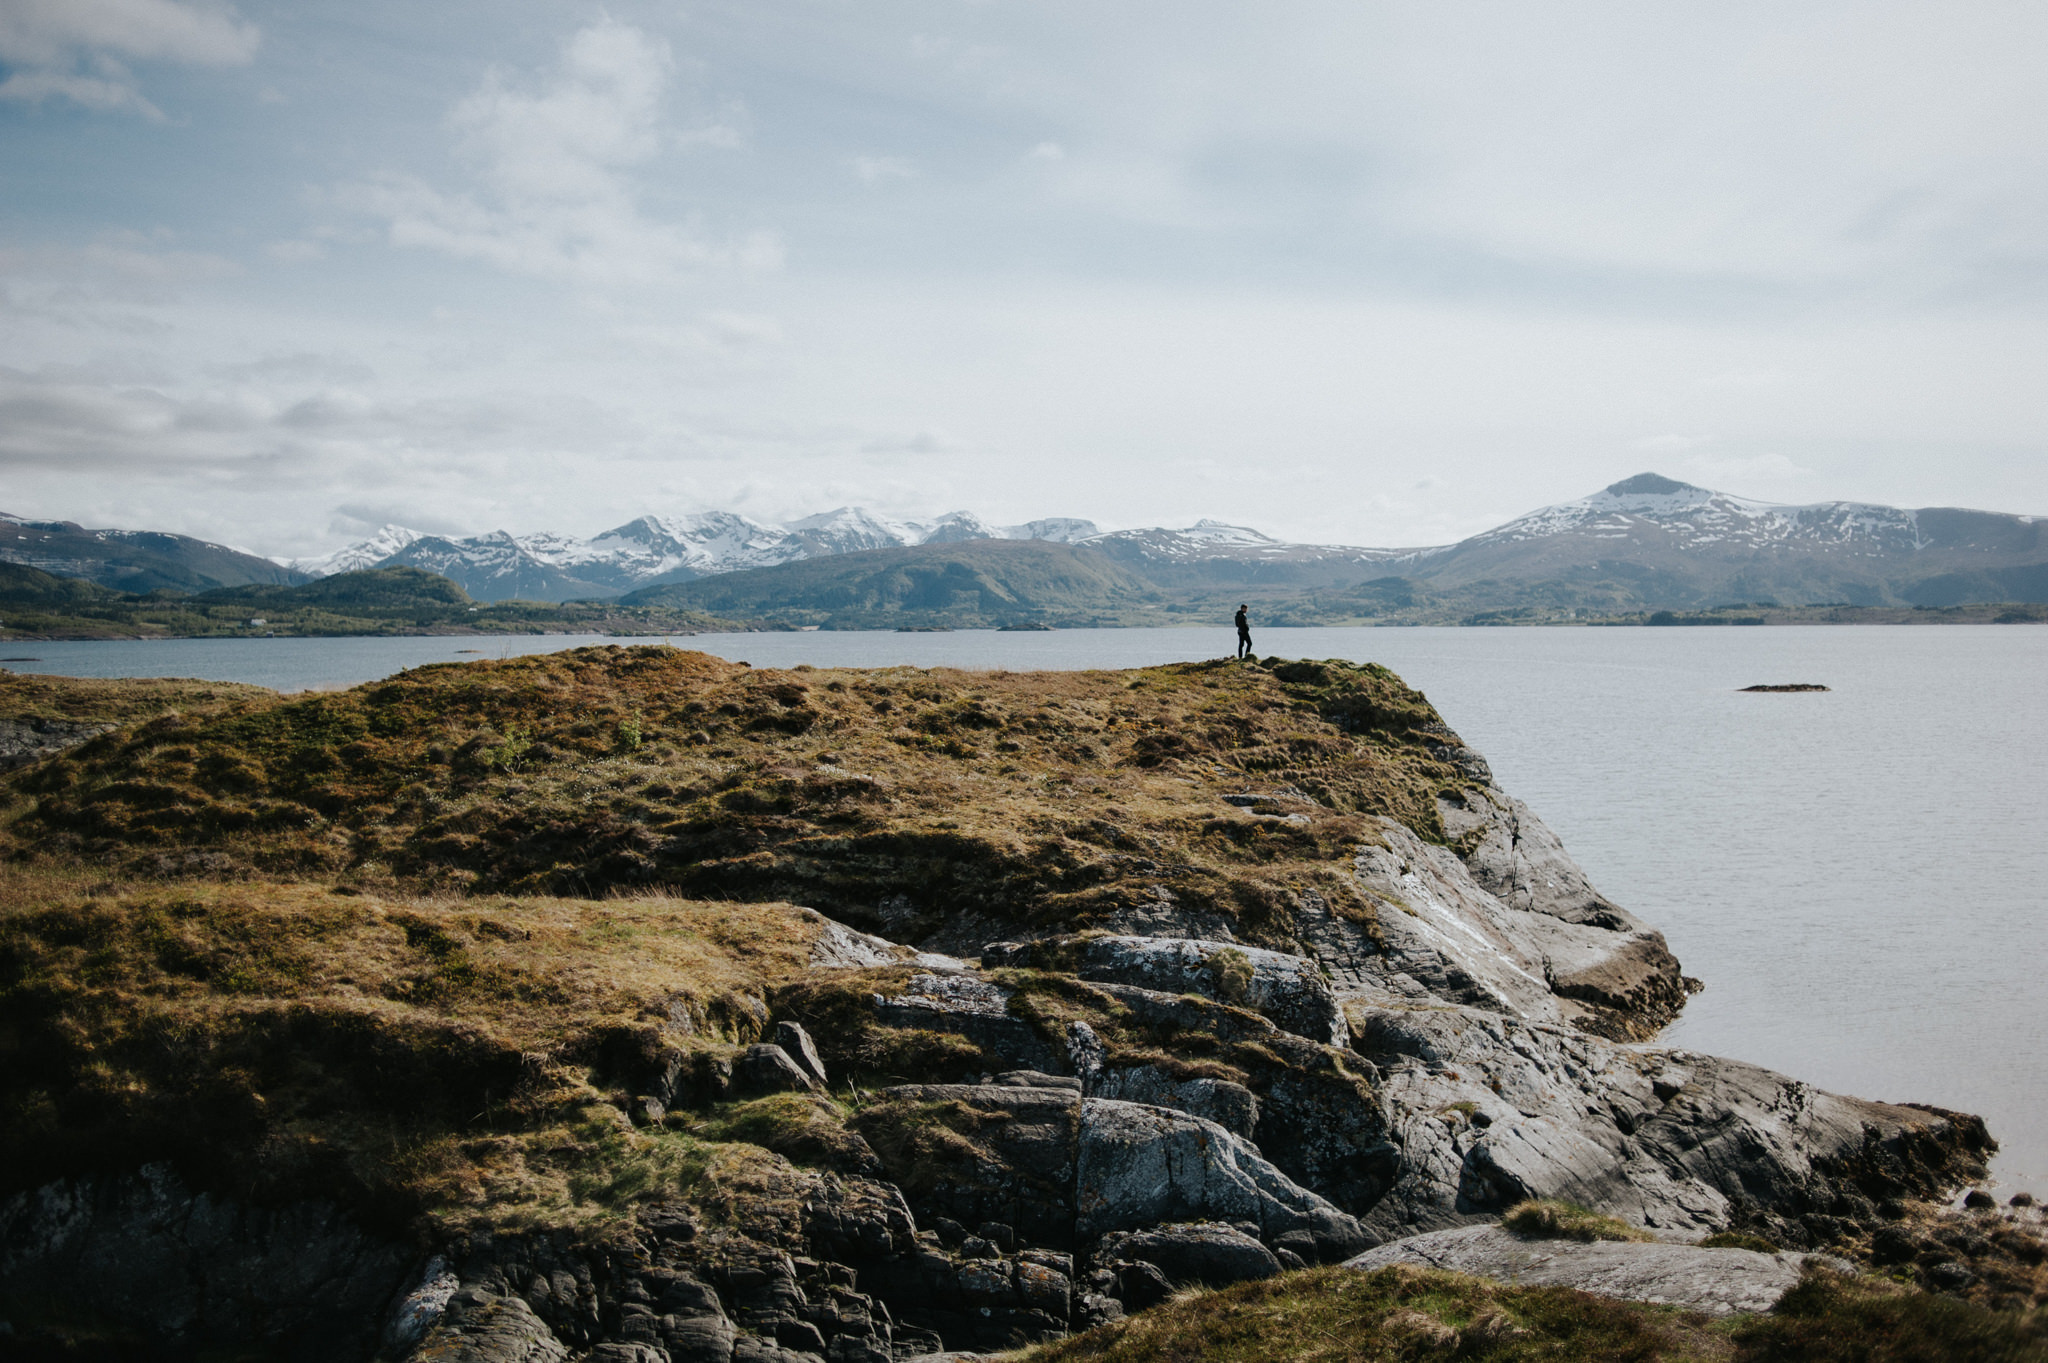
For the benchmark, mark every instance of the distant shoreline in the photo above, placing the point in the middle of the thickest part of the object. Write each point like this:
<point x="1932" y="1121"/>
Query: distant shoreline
<point x="87" y="630"/>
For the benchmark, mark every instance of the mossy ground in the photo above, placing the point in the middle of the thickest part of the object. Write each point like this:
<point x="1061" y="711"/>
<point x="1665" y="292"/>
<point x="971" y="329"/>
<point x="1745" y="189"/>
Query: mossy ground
<point x="1395" y="1315"/>
<point x="458" y="1058"/>
<point x="896" y="799"/>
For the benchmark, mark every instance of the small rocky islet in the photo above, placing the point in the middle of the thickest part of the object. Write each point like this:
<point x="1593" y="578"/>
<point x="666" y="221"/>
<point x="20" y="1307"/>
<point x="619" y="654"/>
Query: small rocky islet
<point x="632" y="1005"/>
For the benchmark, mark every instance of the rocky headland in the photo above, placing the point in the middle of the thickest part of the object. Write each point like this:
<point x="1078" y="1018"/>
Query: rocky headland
<point x="631" y="1005"/>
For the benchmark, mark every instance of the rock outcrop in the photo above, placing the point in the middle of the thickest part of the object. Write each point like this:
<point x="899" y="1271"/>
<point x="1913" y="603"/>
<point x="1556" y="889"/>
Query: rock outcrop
<point x="1714" y="1282"/>
<point x="27" y="740"/>
<point x="1489" y="1110"/>
<point x="1208" y="1032"/>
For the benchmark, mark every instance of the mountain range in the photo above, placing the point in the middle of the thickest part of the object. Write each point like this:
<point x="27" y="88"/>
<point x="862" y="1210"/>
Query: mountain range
<point x="1643" y="544"/>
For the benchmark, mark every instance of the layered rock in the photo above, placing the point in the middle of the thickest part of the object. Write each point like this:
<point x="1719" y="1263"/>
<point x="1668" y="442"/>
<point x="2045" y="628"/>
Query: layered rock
<point x="1714" y="1282"/>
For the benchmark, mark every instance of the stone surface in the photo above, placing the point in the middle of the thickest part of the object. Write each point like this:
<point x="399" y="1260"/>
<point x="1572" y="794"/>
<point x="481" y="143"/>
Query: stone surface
<point x="23" y="741"/>
<point x="1229" y="1105"/>
<point x="976" y="1009"/>
<point x="481" y="1327"/>
<point x="1204" y="1254"/>
<point x="1288" y="989"/>
<point x="1142" y="1166"/>
<point x="767" y="1068"/>
<point x="1716" y="1282"/>
<point x="1487" y="1110"/>
<point x="797" y="1045"/>
<point x="198" y="1271"/>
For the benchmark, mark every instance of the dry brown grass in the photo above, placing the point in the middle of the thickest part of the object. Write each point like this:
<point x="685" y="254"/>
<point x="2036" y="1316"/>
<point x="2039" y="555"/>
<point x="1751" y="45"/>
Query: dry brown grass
<point x="896" y="798"/>
<point x="120" y="700"/>
<point x="460" y="1057"/>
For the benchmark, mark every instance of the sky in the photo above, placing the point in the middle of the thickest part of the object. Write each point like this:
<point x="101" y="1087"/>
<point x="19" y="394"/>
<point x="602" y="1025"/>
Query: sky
<point x="1357" y="272"/>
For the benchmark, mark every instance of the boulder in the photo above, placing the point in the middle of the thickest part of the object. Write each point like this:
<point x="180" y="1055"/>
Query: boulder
<point x="1488" y="1110"/>
<point x="796" y="1044"/>
<point x="1716" y="1282"/>
<point x="767" y="1068"/>
<point x="1204" y="1254"/>
<point x="482" y="1327"/>
<point x="1229" y="1105"/>
<point x="1512" y="926"/>
<point x="1140" y="1166"/>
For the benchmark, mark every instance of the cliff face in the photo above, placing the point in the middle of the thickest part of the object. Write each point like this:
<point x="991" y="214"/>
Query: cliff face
<point x="486" y="983"/>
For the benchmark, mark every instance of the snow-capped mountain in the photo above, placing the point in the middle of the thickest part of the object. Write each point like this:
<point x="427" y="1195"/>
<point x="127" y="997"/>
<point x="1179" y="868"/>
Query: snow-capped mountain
<point x="1647" y="540"/>
<point x="657" y="549"/>
<point x="388" y="540"/>
<point x="1682" y="545"/>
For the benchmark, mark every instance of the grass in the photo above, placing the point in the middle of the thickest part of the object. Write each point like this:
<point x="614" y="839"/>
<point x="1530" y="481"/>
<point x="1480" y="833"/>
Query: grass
<point x="1053" y="800"/>
<point x="1337" y="1315"/>
<point x="1544" y="1219"/>
<point x="458" y="1058"/>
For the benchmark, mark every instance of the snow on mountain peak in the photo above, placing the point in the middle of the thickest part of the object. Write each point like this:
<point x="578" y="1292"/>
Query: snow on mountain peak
<point x="389" y="540"/>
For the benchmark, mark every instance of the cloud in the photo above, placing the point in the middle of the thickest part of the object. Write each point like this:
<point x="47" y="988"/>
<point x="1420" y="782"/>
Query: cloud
<point x="77" y="50"/>
<point x="553" y="161"/>
<point x="1047" y="151"/>
<point x="872" y="169"/>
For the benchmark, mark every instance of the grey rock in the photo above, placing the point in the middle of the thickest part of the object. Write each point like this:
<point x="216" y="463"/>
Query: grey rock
<point x="1204" y="1253"/>
<point x="839" y="947"/>
<point x="1229" y="1105"/>
<point x="195" y="1270"/>
<point x="1290" y="990"/>
<point x="796" y="1043"/>
<point x="23" y="741"/>
<point x="482" y="1327"/>
<point x="418" y="1310"/>
<point x="697" y="1339"/>
<point x="767" y="1068"/>
<point x="1143" y="1166"/>
<point x="1716" y="1282"/>
<point x="616" y="1352"/>
<point x="755" y="1349"/>
<point x="975" y="1008"/>
<point x="1487" y="1110"/>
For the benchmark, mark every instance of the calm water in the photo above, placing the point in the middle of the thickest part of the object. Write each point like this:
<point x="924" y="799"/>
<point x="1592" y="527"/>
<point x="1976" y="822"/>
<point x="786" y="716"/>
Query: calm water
<point x="1861" y="877"/>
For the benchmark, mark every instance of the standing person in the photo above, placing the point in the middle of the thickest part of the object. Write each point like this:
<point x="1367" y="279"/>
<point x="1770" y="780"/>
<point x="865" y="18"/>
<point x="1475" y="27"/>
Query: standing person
<point x="1244" y="634"/>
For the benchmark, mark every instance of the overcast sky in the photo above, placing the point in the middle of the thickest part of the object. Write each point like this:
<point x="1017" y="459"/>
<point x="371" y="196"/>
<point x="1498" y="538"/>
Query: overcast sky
<point x="1356" y="272"/>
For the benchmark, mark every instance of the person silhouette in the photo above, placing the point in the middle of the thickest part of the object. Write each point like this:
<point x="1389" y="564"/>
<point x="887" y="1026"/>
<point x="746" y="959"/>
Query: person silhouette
<point x="1244" y="634"/>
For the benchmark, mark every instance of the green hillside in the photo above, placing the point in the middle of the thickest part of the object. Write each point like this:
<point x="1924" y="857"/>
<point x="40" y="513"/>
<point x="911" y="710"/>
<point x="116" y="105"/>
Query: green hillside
<point x="976" y="584"/>
<point x="37" y="605"/>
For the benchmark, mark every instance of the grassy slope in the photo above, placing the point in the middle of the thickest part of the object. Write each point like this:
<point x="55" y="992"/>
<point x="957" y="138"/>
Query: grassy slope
<point x="375" y="601"/>
<point x="120" y="701"/>
<point x="895" y="798"/>
<point x="978" y="583"/>
<point x="452" y="1043"/>
<point x="1336" y="1315"/>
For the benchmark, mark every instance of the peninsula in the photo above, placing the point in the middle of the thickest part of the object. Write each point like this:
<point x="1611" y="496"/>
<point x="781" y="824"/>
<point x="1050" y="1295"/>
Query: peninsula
<point x="633" y="1005"/>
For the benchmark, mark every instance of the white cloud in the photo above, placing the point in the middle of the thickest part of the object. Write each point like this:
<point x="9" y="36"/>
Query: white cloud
<point x="554" y="162"/>
<point x="1047" y="151"/>
<point x="77" y="49"/>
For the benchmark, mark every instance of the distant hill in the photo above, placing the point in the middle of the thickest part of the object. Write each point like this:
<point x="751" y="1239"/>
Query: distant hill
<point x="22" y="586"/>
<point x="138" y="561"/>
<point x="966" y="584"/>
<point x="384" y="587"/>
<point x="1644" y="545"/>
<point x="1657" y="543"/>
<point x="654" y="550"/>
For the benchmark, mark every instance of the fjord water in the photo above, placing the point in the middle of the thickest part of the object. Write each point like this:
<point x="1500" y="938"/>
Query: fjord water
<point x="1860" y="876"/>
